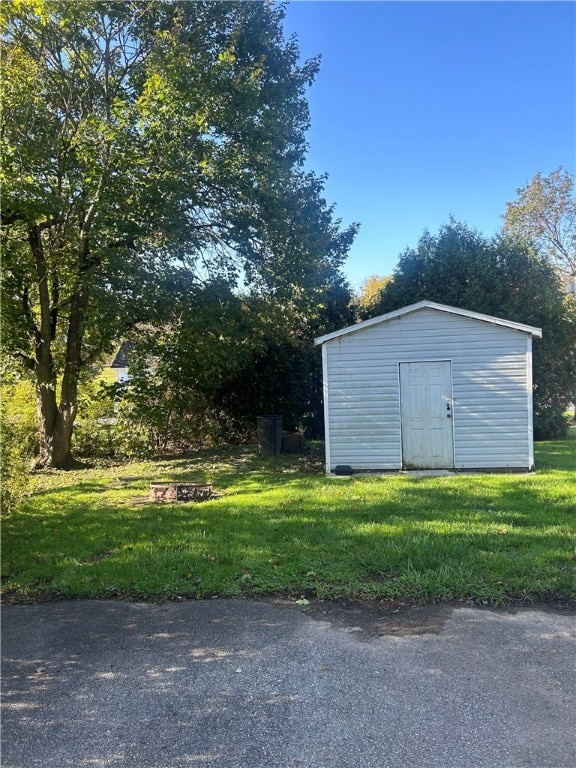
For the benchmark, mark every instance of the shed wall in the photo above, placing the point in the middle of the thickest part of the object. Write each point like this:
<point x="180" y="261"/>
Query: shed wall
<point x="492" y="399"/>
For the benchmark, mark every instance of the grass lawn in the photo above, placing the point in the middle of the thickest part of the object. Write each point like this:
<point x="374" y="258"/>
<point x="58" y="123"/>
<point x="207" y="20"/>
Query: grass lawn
<point x="280" y="527"/>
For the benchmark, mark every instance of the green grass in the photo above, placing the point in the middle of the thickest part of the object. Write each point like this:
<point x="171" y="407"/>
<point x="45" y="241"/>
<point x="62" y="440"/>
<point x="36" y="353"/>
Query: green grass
<point x="281" y="527"/>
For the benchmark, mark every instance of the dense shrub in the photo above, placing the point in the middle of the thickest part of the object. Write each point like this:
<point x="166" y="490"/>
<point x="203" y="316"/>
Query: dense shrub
<point x="284" y="379"/>
<point x="549" y="424"/>
<point x="18" y="442"/>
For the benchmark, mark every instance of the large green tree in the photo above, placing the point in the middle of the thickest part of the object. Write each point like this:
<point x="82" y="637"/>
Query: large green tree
<point x="502" y="277"/>
<point x="143" y="142"/>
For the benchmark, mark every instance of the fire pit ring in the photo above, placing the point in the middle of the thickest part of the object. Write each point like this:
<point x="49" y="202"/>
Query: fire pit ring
<point x="180" y="491"/>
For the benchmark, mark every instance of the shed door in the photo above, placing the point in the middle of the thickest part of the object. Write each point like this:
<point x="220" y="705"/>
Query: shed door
<point x="426" y="407"/>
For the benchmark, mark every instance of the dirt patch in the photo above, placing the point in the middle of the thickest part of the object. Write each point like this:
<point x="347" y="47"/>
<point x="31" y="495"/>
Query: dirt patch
<point x="403" y="619"/>
<point x="374" y="621"/>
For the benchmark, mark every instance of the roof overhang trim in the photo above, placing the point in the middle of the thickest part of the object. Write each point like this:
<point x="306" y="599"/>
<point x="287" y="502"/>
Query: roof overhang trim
<point x="537" y="332"/>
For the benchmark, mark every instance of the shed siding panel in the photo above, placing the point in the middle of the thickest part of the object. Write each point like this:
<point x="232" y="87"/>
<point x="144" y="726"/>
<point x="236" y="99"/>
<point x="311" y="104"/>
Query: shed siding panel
<point x="490" y="413"/>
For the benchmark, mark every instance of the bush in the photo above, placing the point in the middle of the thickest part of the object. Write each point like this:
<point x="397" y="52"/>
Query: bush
<point x="18" y="442"/>
<point x="108" y="426"/>
<point x="15" y="468"/>
<point x="93" y="431"/>
<point x="550" y="424"/>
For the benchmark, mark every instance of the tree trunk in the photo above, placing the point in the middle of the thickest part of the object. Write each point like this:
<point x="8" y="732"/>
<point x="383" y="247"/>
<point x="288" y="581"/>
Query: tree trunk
<point x="56" y="441"/>
<point x="56" y="420"/>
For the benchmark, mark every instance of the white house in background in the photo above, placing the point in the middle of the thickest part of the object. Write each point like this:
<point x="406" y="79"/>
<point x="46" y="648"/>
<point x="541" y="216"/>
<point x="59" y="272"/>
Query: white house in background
<point x="426" y="387"/>
<point x="120" y="363"/>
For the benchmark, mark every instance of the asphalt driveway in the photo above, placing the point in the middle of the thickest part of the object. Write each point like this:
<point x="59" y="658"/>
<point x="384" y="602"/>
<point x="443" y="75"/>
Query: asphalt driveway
<point x="245" y="684"/>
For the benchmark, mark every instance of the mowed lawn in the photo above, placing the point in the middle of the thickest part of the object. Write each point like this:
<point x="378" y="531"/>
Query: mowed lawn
<point x="280" y="527"/>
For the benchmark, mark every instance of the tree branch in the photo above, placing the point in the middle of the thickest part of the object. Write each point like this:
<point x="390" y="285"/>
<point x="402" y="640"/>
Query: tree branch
<point x="122" y="242"/>
<point x="32" y="327"/>
<point x="28" y="361"/>
<point x="9" y="217"/>
<point x="35" y="242"/>
<point x="50" y="223"/>
<point x="54" y="309"/>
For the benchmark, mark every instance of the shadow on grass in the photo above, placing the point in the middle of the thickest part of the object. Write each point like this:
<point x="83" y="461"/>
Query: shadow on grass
<point x="557" y="454"/>
<point x="395" y="536"/>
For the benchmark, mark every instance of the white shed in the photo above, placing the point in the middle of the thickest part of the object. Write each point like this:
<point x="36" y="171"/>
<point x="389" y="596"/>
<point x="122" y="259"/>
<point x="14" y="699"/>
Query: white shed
<point x="427" y="387"/>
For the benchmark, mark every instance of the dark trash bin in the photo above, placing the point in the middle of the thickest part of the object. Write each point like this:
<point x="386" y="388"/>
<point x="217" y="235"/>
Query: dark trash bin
<point x="269" y="430"/>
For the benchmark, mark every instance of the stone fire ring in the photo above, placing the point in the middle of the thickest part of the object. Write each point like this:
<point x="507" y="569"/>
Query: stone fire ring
<point x="180" y="491"/>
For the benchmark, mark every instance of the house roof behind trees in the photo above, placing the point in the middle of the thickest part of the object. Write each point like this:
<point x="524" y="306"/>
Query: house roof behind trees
<point x="121" y="358"/>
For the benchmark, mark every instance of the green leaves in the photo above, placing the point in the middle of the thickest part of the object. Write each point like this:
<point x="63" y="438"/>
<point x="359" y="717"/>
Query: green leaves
<point x="143" y="139"/>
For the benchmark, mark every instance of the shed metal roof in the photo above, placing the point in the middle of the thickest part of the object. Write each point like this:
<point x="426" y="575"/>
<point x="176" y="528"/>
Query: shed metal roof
<point x="429" y="305"/>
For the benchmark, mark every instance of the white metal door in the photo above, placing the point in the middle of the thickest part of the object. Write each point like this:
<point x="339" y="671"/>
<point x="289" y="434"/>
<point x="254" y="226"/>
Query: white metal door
<point x="426" y="409"/>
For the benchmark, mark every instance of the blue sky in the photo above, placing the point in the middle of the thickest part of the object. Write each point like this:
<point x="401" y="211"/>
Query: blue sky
<point x="423" y="110"/>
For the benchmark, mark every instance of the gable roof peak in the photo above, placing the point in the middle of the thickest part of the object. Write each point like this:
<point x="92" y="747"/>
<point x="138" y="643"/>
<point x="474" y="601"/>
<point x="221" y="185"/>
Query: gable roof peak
<point x="425" y="304"/>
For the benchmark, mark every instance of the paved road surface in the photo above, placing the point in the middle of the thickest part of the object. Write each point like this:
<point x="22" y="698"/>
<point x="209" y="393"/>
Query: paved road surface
<point x="246" y="684"/>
